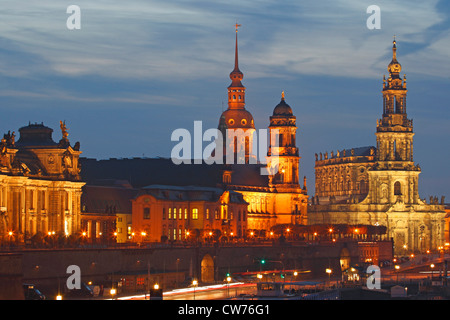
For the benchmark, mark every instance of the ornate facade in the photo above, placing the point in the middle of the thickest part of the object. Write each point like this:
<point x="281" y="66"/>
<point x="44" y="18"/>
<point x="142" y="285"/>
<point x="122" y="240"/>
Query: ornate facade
<point x="279" y="199"/>
<point x="40" y="186"/>
<point x="379" y="186"/>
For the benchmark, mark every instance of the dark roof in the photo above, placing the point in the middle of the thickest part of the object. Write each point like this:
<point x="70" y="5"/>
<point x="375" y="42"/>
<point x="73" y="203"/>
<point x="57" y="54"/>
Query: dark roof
<point x="142" y="172"/>
<point x="282" y="109"/>
<point x="106" y="199"/>
<point x="359" y="152"/>
<point x="249" y="175"/>
<point x="36" y="135"/>
<point x="189" y="193"/>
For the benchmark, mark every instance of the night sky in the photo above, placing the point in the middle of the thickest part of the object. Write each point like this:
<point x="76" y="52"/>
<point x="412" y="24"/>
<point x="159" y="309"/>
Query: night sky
<point x="138" y="70"/>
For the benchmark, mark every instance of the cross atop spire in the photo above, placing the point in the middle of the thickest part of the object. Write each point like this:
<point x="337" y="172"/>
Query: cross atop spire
<point x="237" y="26"/>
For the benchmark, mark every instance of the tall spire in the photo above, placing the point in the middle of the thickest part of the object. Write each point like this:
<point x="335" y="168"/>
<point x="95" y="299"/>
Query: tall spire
<point x="236" y="75"/>
<point x="236" y="90"/>
<point x="394" y="50"/>
<point x="236" y="58"/>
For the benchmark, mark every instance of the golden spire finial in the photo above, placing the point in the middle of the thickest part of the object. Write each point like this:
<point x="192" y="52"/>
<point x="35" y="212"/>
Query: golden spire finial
<point x="394" y="50"/>
<point x="282" y="95"/>
<point x="237" y="26"/>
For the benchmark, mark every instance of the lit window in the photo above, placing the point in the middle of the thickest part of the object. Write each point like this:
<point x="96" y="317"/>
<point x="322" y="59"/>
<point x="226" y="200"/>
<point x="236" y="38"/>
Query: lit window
<point x="195" y="214"/>
<point x="170" y="214"/>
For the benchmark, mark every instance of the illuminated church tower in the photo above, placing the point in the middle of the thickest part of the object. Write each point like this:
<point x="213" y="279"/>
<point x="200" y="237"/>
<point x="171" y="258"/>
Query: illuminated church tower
<point x="394" y="158"/>
<point x="283" y="123"/>
<point x="380" y="186"/>
<point x="395" y="130"/>
<point x="236" y="123"/>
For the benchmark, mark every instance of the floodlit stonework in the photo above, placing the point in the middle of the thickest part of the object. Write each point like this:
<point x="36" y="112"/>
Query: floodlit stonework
<point x="379" y="186"/>
<point x="40" y="186"/>
<point x="280" y="199"/>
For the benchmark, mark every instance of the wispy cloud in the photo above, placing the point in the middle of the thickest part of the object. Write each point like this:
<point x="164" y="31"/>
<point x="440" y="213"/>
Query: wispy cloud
<point x="179" y="40"/>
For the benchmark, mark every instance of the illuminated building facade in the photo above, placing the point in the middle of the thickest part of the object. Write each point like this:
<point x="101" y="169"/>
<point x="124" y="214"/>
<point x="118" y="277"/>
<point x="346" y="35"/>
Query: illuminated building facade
<point x="106" y="212"/>
<point x="40" y="186"/>
<point x="271" y="199"/>
<point x="278" y="197"/>
<point x="177" y="213"/>
<point x="379" y="185"/>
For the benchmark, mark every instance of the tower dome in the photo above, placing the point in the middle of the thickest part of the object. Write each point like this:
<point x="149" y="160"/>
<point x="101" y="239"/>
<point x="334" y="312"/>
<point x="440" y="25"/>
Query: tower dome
<point x="282" y="109"/>
<point x="237" y="119"/>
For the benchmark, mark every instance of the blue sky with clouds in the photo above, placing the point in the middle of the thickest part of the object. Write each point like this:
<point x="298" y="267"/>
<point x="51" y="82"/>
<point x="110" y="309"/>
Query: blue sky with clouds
<point x="139" y="69"/>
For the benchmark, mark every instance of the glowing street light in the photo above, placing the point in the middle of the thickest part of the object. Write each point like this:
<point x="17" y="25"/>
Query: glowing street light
<point x="194" y="283"/>
<point x="397" y="267"/>
<point x="329" y="271"/>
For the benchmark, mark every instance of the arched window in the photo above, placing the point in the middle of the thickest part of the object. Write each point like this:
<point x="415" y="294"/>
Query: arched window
<point x="147" y="213"/>
<point x="397" y="188"/>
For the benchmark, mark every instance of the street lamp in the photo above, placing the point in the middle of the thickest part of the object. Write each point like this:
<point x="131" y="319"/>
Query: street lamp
<point x="194" y="283"/>
<point x="397" y="267"/>
<point x="329" y="271"/>
<point x="432" y="270"/>
<point x="112" y="292"/>
<point x="259" y="276"/>
<point x="10" y="234"/>
<point x="228" y="285"/>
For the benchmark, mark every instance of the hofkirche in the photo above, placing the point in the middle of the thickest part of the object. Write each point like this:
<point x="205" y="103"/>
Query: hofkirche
<point x="380" y="185"/>
<point x="41" y="182"/>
